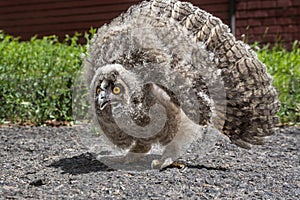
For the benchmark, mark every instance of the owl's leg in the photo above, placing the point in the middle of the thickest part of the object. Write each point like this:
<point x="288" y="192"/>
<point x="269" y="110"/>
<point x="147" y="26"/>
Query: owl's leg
<point x="140" y="147"/>
<point x="137" y="151"/>
<point x="188" y="132"/>
<point x="172" y="152"/>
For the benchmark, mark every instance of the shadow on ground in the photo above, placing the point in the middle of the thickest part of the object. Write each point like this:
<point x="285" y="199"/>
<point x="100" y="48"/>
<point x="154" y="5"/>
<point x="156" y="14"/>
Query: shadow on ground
<point x="87" y="163"/>
<point x="82" y="164"/>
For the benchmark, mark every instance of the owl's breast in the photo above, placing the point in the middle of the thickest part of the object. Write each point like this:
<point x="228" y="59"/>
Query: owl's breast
<point x="111" y="129"/>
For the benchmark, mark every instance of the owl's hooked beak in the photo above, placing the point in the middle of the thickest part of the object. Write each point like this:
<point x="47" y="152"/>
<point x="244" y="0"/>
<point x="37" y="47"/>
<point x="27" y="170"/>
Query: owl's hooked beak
<point x="103" y="99"/>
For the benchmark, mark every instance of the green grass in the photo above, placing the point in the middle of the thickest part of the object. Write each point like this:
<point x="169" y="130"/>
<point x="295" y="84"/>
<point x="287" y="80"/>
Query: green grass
<point x="36" y="77"/>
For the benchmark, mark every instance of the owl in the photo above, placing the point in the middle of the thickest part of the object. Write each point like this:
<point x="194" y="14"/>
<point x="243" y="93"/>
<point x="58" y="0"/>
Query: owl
<point x="168" y="73"/>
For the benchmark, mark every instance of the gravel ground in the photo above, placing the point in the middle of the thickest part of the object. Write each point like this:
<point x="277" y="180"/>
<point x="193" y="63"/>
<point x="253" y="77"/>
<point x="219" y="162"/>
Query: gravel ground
<point x="49" y="163"/>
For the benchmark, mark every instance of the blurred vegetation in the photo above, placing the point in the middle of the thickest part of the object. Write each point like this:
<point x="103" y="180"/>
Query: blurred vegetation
<point x="36" y="78"/>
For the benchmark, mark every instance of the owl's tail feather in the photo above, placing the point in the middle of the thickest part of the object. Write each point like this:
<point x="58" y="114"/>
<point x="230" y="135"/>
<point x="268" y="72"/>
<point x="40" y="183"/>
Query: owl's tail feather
<point x="251" y="99"/>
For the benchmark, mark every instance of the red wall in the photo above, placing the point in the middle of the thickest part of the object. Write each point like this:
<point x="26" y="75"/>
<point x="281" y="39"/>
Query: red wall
<point x="268" y="20"/>
<point x="257" y="20"/>
<point x="47" y="17"/>
<point x="60" y="17"/>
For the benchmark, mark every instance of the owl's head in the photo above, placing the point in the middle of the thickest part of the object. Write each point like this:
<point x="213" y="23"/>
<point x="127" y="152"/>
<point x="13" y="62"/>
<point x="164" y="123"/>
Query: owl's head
<point x="111" y="85"/>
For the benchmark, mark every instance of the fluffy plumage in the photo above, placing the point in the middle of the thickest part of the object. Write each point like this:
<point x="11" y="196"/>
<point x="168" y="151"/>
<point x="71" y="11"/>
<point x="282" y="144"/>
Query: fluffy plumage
<point x="180" y="69"/>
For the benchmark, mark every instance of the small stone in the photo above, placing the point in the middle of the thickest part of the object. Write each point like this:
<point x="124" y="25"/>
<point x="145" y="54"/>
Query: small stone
<point x="37" y="183"/>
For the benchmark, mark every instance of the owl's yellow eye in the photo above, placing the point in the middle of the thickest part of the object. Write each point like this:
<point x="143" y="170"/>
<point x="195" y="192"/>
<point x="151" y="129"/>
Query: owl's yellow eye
<point x="116" y="90"/>
<point x="98" y="91"/>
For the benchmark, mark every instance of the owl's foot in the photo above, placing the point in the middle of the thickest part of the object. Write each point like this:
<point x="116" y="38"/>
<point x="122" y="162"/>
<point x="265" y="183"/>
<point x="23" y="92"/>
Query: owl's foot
<point x="167" y="163"/>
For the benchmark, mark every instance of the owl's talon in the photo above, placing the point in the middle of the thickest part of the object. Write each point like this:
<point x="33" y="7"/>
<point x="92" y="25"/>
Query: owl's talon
<point x="178" y="165"/>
